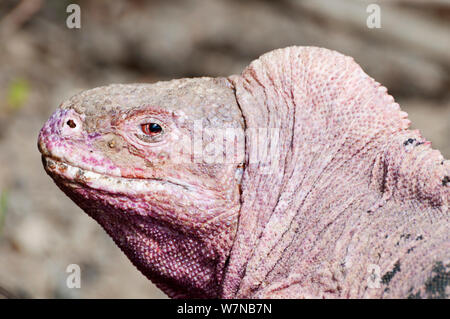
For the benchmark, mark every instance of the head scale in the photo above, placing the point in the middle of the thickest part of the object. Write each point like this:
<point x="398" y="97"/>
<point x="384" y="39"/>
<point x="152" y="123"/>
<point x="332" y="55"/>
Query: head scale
<point x="159" y="167"/>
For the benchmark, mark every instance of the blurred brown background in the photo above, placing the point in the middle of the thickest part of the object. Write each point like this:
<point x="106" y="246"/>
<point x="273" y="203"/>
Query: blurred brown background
<point x="42" y="62"/>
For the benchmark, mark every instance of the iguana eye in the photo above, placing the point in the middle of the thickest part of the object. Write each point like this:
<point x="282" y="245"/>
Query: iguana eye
<point x="152" y="132"/>
<point x="151" y="129"/>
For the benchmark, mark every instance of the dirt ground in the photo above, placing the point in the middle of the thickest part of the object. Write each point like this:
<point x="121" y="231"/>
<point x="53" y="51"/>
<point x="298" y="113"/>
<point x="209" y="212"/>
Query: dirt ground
<point x="42" y="62"/>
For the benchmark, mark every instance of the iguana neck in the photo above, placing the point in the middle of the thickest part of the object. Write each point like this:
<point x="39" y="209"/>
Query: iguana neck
<point x="183" y="261"/>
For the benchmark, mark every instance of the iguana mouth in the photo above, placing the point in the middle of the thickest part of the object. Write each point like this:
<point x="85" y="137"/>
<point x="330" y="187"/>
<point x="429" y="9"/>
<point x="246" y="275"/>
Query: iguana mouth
<point x="106" y="182"/>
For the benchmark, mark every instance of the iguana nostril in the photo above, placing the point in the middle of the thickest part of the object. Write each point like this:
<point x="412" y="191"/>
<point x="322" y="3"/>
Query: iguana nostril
<point x="71" y="124"/>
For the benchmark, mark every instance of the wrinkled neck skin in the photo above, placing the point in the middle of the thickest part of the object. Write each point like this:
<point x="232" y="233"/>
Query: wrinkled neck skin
<point x="346" y="202"/>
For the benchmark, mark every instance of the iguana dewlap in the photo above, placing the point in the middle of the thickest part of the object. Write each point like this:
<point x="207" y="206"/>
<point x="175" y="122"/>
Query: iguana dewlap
<point x="298" y="178"/>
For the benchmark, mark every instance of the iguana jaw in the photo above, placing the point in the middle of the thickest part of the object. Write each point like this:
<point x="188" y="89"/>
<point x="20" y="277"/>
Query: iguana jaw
<point x="77" y="176"/>
<point x="146" y="217"/>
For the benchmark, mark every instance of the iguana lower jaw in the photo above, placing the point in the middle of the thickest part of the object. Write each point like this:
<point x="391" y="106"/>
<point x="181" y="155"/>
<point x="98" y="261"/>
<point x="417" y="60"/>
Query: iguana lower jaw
<point x="181" y="263"/>
<point x="74" y="177"/>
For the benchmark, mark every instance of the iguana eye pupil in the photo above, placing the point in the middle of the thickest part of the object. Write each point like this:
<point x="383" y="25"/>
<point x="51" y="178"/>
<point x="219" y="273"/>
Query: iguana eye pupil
<point x="151" y="128"/>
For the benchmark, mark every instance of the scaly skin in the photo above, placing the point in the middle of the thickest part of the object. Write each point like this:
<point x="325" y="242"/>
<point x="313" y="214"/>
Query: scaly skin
<point x="175" y="218"/>
<point x="328" y="188"/>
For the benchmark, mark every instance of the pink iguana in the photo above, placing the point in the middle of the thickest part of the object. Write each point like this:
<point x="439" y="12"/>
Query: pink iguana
<point x="298" y="178"/>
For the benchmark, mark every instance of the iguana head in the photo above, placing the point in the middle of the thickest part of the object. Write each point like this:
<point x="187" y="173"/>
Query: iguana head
<point x="159" y="167"/>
